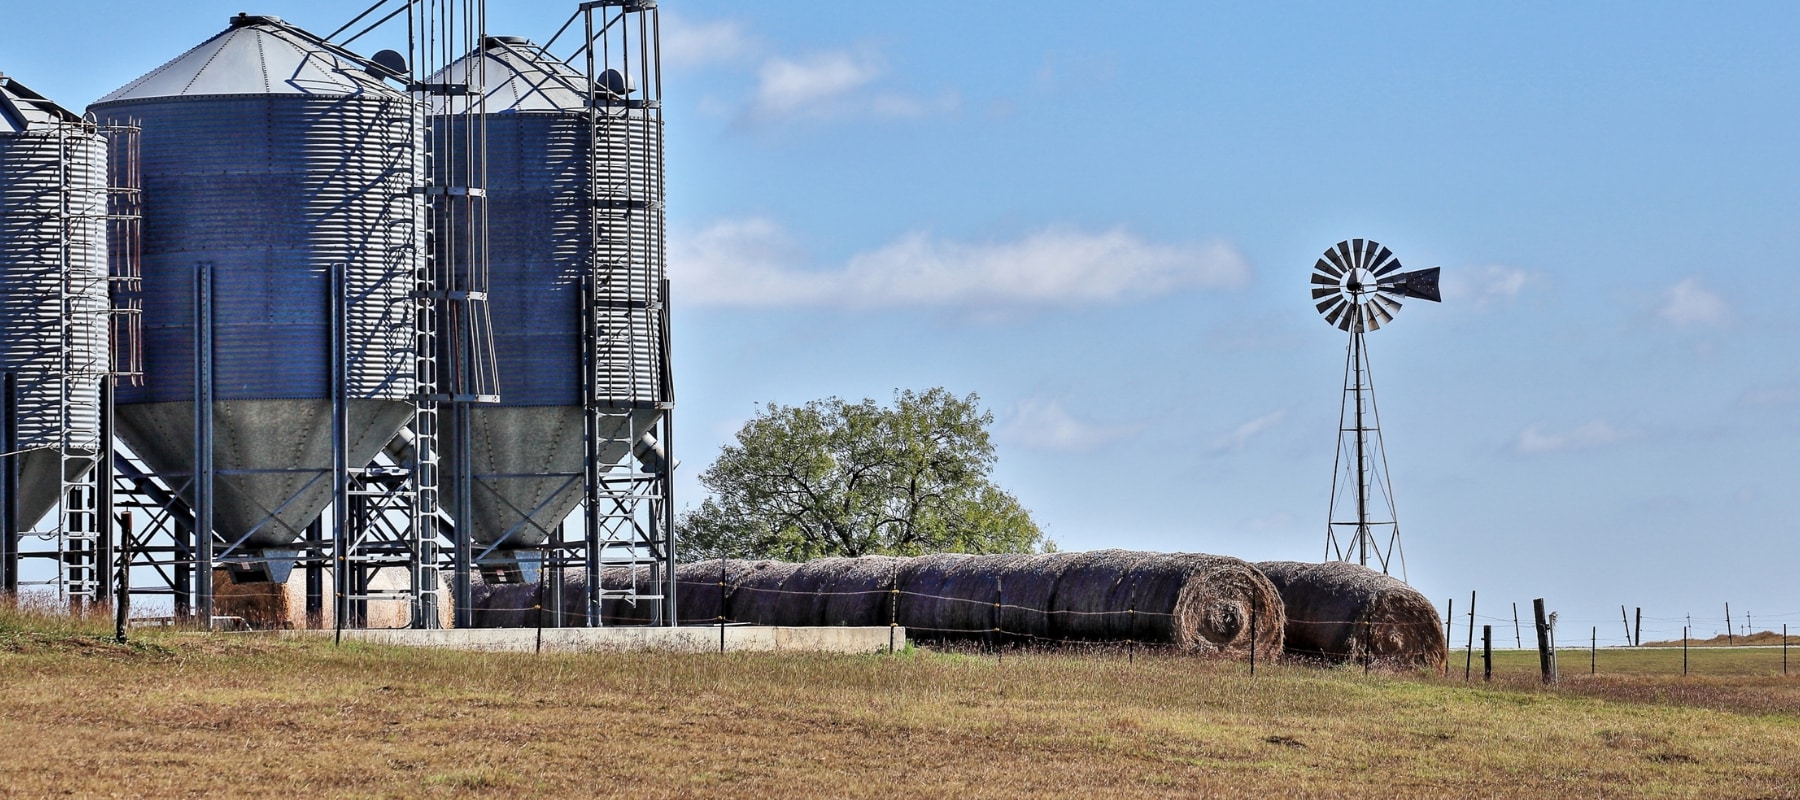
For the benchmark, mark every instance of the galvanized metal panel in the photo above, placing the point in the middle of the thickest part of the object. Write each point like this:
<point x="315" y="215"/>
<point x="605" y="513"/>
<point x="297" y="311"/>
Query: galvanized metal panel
<point x="52" y="214"/>
<point x="252" y="58"/>
<point x="272" y="191"/>
<point x="516" y="76"/>
<point x="527" y="451"/>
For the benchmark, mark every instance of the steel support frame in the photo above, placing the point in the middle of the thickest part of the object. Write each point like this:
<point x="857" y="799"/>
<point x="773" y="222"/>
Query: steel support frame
<point x="1362" y="460"/>
<point x="627" y="507"/>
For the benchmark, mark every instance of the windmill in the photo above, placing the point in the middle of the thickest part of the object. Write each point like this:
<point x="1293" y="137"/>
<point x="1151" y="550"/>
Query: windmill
<point x="1357" y="286"/>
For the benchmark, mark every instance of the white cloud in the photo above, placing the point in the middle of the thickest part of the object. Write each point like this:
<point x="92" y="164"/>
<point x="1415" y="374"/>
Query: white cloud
<point x="810" y="86"/>
<point x="1242" y="434"/>
<point x="1534" y="440"/>
<point x="1689" y="303"/>
<point x="692" y="43"/>
<point x="835" y="84"/>
<point x="754" y="263"/>
<point x="1484" y="286"/>
<point x="1039" y="425"/>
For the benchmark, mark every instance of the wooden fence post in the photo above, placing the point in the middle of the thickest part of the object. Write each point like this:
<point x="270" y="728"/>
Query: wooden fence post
<point x="1487" y="652"/>
<point x="1543" y="637"/>
<point x="1449" y="619"/>
<point x="1469" y="654"/>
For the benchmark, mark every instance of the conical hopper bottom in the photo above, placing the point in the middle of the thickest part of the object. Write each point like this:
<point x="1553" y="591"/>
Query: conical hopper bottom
<point x="528" y="471"/>
<point x="291" y="436"/>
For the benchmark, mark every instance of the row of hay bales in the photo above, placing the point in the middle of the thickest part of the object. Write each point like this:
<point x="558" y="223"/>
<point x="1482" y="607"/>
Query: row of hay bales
<point x="1199" y="603"/>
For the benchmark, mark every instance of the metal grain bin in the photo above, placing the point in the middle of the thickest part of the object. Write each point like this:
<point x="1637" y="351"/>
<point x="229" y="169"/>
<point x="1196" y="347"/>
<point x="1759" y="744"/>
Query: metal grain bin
<point x="53" y="303"/>
<point x="527" y="450"/>
<point x="269" y="159"/>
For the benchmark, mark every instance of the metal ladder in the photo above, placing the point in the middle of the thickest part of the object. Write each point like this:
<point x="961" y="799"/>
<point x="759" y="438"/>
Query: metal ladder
<point x="82" y="366"/>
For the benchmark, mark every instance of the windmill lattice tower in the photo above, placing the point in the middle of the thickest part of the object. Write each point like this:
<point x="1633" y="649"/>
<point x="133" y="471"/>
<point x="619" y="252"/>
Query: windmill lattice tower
<point x="1357" y="286"/>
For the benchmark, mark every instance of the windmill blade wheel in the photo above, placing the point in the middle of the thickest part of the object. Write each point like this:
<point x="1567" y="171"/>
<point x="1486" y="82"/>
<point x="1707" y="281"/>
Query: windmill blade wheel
<point x="1357" y="284"/>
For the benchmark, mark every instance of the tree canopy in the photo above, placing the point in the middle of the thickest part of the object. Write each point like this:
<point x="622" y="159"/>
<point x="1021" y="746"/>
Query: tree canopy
<point x="833" y="478"/>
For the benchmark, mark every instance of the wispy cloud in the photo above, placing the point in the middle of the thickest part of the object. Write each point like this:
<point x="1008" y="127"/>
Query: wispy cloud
<point x="1242" y="434"/>
<point x="789" y="86"/>
<point x="689" y="43"/>
<point x="1485" y="286"/>
<point x="1534" y="440"/>
<point x="1041" y="425"/>
<point x="1689" y="303"/>
<point x="834" y="84"/>
<point x="754" y="263"/>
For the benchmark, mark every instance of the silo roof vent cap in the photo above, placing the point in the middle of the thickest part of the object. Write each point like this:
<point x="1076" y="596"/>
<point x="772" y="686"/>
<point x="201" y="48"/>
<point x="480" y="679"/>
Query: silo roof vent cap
<point x="243" y="20"/>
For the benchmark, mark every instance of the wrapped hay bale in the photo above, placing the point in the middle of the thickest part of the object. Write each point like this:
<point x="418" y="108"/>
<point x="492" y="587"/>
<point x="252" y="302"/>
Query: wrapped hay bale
<point x="699" y="598"/>
<point x="757" y="594"/>
<point x="862" y="594"/>
<point x="1339" y="611"/>
<point x="921" y="604"/>
<point x="1193" y="601"/>
<point x="505" y="605"/>
<point x="1029" y="586"/>
<point x="970" y="598"/>
<point x="804" y="593"/>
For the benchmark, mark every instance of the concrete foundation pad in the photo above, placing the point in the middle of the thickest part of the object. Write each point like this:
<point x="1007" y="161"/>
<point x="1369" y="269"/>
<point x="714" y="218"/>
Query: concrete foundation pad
<point x="693" y="639"/>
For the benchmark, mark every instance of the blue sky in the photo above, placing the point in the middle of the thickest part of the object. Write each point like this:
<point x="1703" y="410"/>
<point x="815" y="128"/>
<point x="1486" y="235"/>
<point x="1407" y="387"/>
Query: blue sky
<point x="1100" y="217"/>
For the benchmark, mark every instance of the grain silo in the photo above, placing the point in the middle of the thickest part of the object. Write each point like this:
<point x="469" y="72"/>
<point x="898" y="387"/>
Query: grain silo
<point x="575" y="234"/>
<point x="278" y="180"/>
<point x="53" y="309"/>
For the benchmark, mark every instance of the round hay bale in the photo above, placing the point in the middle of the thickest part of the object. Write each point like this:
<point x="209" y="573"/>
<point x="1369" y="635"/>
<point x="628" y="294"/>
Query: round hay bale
<point x="701" y="588"/>
<point x="862" y="594"/>
<point x="974" y="594"/>
<point x="805" y="592"/>
<point x="757" y="594"/>
<point x="922" y="606"/>
<point x="1088" y="604"/>
<point x="1337" y="611"/>
<point x="1029" y="584"/>
<point x="1194" y="601"/>
<point x="502" y="605"/>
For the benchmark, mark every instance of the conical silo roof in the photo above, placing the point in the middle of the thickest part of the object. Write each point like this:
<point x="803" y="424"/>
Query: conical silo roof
<point x="518" y="77"/>
<point x="256" y="55"/>
<point x="22" y="109"/>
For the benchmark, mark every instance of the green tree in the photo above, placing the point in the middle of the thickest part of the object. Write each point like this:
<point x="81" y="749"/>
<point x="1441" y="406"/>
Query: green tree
<point x="832" y="478"/>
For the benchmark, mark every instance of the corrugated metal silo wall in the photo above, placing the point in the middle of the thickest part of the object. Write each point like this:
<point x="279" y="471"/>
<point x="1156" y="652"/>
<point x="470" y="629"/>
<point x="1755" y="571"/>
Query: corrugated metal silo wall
<point x="35" y="166"/>
<point x="527" y="446"/>
<point x="540" y="245"/>
<point x="272" y="191"/>
<point x="537" y="245"/>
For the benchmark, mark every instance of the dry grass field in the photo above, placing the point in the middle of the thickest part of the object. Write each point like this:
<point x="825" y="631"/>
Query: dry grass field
<point x="182" y="714"/>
